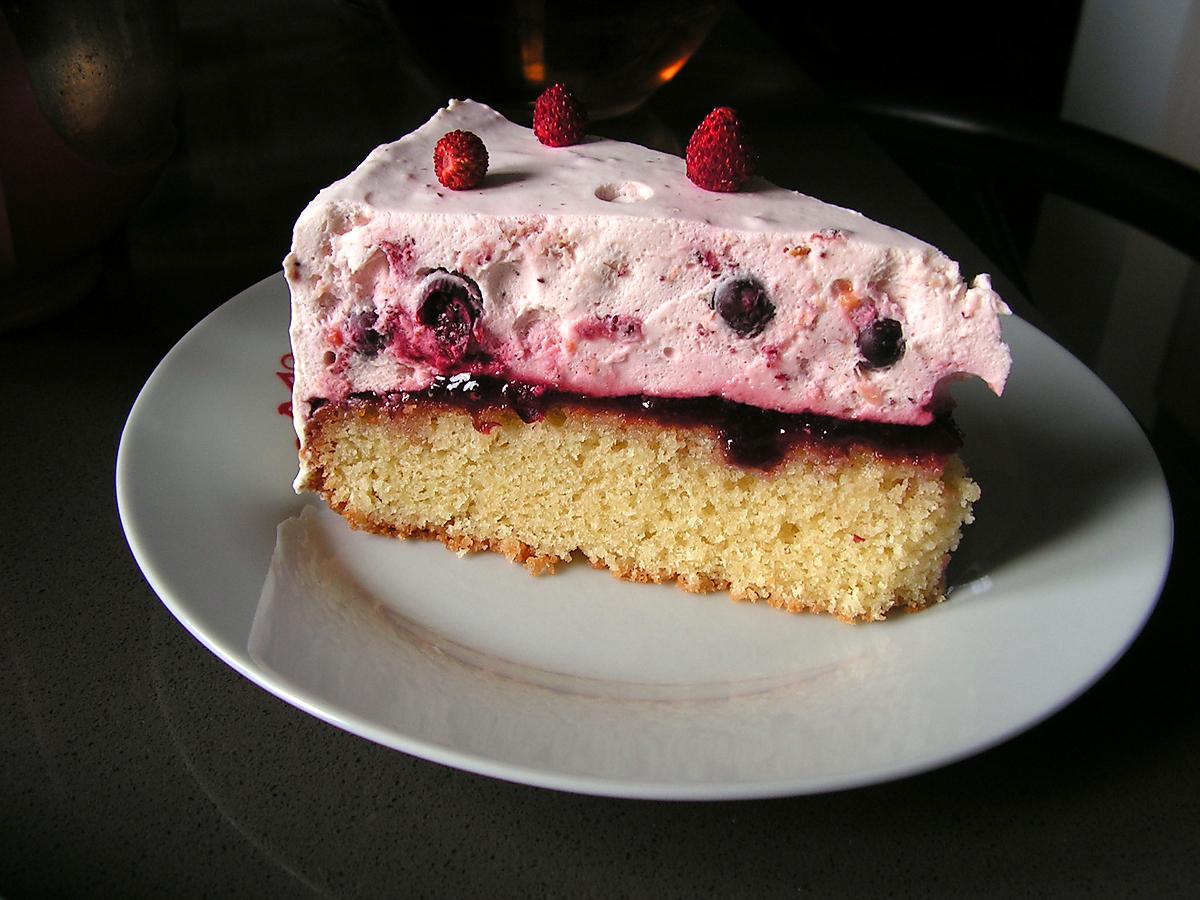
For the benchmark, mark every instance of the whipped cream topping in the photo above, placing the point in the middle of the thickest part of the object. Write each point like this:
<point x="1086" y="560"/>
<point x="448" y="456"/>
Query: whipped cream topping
<point x="596" y="269"/>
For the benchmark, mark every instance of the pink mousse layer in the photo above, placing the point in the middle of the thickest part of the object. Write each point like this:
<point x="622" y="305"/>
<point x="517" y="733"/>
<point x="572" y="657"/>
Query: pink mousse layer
<point x="596" y="267"/>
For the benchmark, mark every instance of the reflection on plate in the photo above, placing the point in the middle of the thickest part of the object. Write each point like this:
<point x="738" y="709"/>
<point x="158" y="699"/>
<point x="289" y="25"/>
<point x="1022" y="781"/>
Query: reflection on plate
<point x="586" y="683"/>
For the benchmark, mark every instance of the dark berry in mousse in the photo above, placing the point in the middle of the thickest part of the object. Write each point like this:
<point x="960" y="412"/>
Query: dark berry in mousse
<point x="361" y="334"/>
<point x="744" y="306"/>
<point x="881" y="343"/>
<point x="450" y="308"/>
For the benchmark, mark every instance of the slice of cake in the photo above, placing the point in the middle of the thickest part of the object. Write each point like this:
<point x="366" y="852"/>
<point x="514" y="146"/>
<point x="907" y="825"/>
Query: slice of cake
<point x="589" y="354"/>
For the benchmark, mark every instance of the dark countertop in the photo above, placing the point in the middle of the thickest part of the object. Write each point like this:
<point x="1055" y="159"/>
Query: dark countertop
<point x="135" y="763"/>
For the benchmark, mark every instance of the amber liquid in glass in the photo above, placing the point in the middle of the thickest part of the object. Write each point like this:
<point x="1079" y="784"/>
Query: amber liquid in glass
<point x="613" y="55"/>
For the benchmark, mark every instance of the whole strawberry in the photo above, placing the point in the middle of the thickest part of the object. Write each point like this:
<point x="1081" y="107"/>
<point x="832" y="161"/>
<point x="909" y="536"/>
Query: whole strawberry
<point x="559" y="120"/>
<point x="719" y="158"/>
<point x="460" y="160"/>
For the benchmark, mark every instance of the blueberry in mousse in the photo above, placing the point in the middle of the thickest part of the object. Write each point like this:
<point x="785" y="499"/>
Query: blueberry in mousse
<point x="744" y="306"/>
<point x="552" y="346"/>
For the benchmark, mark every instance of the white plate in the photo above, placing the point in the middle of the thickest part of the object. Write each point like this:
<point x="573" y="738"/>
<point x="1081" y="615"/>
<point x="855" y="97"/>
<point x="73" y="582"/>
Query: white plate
<point x="586" y="683"/>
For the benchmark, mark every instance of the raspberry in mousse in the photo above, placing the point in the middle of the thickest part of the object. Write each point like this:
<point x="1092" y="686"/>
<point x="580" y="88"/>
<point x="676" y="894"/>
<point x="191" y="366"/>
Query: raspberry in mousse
<point x="672" y="368"/>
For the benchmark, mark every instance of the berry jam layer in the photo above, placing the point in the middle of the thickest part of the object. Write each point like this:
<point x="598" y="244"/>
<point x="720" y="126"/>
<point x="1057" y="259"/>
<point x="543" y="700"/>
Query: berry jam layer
<point x="749" y="437"/>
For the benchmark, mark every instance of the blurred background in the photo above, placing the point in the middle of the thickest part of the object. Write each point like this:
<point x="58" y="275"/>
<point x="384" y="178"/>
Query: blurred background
<point x="156" y="155"/>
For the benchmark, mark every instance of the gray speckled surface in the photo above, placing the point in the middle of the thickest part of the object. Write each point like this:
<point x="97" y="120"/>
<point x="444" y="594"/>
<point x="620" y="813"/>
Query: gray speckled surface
<point x="133" y="763"/>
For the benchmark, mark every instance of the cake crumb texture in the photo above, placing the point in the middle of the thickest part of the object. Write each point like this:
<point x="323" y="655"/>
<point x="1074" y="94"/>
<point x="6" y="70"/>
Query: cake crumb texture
<point x="853" y="533"/>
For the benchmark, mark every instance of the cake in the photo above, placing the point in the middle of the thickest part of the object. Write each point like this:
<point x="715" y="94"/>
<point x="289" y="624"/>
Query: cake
<point x="588" y="355"/>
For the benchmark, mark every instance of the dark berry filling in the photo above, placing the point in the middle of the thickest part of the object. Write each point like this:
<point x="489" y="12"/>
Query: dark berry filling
<point x="744" y="306"/>
<point x="881" y="343"/>
<point x="750" y="437"/>
<point x="526" y="400"/>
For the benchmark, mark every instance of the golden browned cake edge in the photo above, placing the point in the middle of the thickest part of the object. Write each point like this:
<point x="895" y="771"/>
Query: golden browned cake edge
<point x="359" y="458"/>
